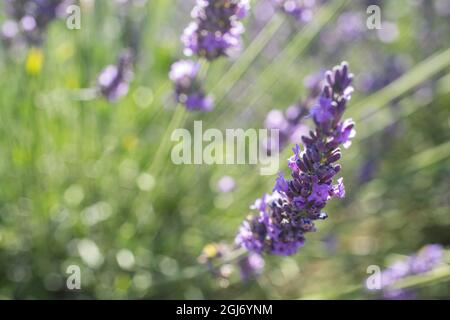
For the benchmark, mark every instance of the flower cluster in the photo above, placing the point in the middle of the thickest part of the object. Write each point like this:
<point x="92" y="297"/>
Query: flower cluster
<point x="187" y="88"/>
<point x="28" y="19"/>
<point x="427" y="259"/>
<point x="289" y="212"/>
<point x="289" y="123"/>
<point x="113" y="81"/>
<point x="216" y="29"/>
<point x="301" y="10"/>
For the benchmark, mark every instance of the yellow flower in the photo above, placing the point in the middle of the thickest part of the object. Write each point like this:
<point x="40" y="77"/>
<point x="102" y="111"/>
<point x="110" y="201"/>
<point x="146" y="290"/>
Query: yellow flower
<point x="210" y="250"/>
<point x="35" y="60"/>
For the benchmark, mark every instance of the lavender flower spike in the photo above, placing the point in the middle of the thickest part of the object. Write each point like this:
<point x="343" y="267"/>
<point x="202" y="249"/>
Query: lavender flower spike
<point x="289" y="213"/>
<point x="428" y="258"/>
<point x="187" y="88"/>
<point x="216" y="28"/>
<point x="113" y="81"/>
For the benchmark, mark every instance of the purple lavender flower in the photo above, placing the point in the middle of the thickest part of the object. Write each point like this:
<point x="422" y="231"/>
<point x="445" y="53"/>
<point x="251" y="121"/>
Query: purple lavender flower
<point x="289" y="213"/>
<point x="301" y="10"/>
<point x="113" y="81"/>
<point x="289" y="123"/>
<point x="187" y="88"/>
<point x="28" y="19"/>
<point x="250" y="266"/>
<point x="428" y="258"/>
<point x="216" y="28"/>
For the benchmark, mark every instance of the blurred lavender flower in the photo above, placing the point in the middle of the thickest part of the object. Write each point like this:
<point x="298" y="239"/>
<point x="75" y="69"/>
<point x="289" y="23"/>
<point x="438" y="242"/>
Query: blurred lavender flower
<point x="251" y="266"/>
<point x="216" y="28"/>
<point x="301" y="10"/>
<point x="392" y="67"/>
<point x="113" y="81"/>
<point x="28" y="19"/>
<point x="442" y="7"/>
<point x="350" y="27"/>
<point x="187" y="88"/>
<point x="226" y="184"/>
<point x="289" y="123"/>
<point x="427" y="259"/>
<point x="290" y="211"/>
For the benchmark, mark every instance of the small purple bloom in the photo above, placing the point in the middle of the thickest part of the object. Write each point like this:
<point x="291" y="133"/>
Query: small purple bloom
<point x="345" y="132"/>
<point x="292" y="161"/>
<point x="188" y="90"/>
<point x="113" y="81"/>
<point x="281" y="184"/>
<point x="339" y="189"/>
<point x="323" y="112"/>
<point x="226" y="184"/>
<point x="319" y="192"/>
<point x="252" y="234"/>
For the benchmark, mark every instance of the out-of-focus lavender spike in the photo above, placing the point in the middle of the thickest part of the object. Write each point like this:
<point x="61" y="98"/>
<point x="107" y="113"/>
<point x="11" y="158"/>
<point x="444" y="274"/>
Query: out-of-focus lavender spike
<point x="300" y="10"/>
<point x="113" y="81"/>
<point x="28" y="19"/>
<point x="427" y="259"/>
<point x="216" y="29"/>
<point x="188" y="90"/>
<point x="250" y="266"/>
<point x="289" y="123"/>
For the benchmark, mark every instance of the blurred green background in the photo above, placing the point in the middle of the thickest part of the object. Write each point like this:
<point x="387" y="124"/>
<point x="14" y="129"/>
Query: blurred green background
<point x="88" y="182"/>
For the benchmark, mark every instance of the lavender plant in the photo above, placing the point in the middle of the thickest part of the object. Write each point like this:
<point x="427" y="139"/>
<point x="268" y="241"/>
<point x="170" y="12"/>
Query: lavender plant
<point x="113" y="81"/>
<point x="28" y="19"/>
<point x="427" y="259"/>
<point x="216" y="29"/>
<point x="289" y="212"/>
<point x="188" y="90"/>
